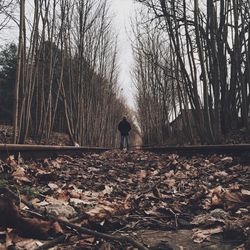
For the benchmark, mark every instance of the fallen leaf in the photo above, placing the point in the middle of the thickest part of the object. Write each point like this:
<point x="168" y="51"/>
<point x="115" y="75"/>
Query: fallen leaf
<point x="20" y="175"/>
<point x="201" y="235"/>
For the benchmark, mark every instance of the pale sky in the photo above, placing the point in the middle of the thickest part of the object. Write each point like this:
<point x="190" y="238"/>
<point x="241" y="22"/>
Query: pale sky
<point x="124" y="10"/>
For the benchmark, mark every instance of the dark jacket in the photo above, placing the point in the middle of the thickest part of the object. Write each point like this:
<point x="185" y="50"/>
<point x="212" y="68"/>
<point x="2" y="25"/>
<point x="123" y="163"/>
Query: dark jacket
<point x="124" y="127"/>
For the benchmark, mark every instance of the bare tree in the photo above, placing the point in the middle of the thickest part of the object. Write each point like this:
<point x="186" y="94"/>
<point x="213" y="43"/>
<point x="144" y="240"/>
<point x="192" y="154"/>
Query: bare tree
<point x="6" y="13"/>
<point x="156" y="87"/>
<point x="211" y="53"/>
<point x="20" y="66"/>
<point x="68" y="67"/>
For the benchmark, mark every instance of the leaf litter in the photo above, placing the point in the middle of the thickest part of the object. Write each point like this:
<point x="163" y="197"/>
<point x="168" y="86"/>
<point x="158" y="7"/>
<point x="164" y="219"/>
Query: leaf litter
<point x="200" y="201"/>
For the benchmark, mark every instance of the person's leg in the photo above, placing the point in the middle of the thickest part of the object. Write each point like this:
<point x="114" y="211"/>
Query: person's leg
<point x="122" y="142"/>
<point x="127" y="142"/>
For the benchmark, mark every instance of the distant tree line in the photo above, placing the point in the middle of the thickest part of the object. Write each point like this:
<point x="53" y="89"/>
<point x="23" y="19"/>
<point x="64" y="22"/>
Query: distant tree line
<point x="8" y="58"/>
<point x="193" y="58"/>
<point x="65" y="73"/>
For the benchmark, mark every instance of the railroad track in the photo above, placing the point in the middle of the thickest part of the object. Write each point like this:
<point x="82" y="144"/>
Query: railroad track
<point x="42" y="151"/>
<point x="234" y="149"/>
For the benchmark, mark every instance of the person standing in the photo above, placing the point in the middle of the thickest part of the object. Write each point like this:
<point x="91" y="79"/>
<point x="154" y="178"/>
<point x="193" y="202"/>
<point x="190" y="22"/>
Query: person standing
<point x="124" y="127"/>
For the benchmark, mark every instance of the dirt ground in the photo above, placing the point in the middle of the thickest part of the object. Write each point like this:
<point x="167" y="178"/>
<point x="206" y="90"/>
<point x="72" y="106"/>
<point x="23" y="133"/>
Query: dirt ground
<point x="163" y="201"/>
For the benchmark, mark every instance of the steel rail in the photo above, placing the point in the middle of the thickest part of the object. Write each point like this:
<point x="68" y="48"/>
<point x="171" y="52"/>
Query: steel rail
<point x="42" y="151"/>
<point x="202" y="149"/>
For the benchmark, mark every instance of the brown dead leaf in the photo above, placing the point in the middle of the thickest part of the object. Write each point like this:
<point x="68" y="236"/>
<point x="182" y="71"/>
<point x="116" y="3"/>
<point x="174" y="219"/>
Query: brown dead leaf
<point x="9" y="238"/>
<point x="245" y="192"/>
<point x="229" y="199"/>
<point x="107" y="190"/>
<point x="201" y="235"/>
<point x="20" y="176"/>
<point x="227" y="160"/>
<point x="233" y="201"/>
<point x="56" y="228"/>
<point x="101" y="211"/>
<point x="142" y="174"/>
<point x="171" y="183"/>
<point x="216" y="199"/>
<point x="74" y="194"/>
<point x="63" y="196"/>
<point x="11" y="161"/>
<point x="221" y="174"/>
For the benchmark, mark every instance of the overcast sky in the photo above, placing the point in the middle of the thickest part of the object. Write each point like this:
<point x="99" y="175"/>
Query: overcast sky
<point x="123" y="11"/>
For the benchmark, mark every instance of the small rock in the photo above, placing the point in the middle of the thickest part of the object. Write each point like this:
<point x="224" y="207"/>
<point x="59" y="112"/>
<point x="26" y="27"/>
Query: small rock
<point x="211" y="178"/>
<point x="219" y="214"/>
<point x="61" y="210"/>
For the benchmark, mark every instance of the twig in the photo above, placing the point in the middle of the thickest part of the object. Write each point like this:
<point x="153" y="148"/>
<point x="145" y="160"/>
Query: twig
<point x="122" y="239"/>
<point x="174" y="214"/>
<point x="150" y="189"/>
<point x="79" y="218"/>
<point x="52" y="243"/>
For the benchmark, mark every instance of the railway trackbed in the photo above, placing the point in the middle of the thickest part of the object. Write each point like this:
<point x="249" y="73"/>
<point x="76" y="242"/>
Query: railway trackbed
<point x="137" y="199"/>
<point x="40" y="151"/>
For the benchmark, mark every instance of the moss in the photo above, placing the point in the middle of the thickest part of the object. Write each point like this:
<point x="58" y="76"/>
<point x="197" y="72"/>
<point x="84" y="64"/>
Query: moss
<point x="29" y="191"/>
<point x="3" y="182"/>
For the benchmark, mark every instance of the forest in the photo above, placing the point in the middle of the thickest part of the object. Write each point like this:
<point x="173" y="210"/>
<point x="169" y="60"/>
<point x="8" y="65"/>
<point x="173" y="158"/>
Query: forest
<point x="191" y="72"/>
<point x="62" y="75"/>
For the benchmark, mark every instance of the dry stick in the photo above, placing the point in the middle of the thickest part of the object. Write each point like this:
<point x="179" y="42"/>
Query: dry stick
<point x="150" y="189"/>
<point x="78" y="219"/>
<point x="52" y="243"/>
<point x="122" y="239"/>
